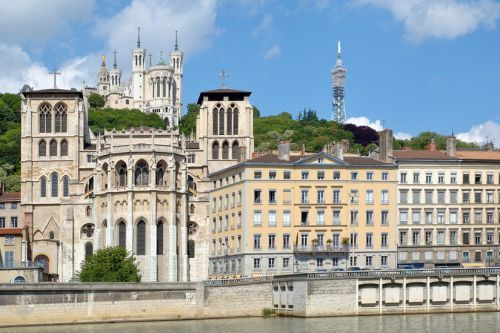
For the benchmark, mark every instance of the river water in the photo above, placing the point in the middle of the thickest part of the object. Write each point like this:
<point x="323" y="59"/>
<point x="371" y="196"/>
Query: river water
<point x="447" y="323"/>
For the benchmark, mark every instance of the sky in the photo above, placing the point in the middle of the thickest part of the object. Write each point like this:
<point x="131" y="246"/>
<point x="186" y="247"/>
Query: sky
<point x="412" y="65"/>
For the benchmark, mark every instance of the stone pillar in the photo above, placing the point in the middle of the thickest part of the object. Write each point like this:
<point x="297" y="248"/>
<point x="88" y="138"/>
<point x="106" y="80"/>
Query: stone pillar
<point x="183" y="221"/>
<point x="451" y="293"/>
<point x="109" y="207"/>
<point x="153" y="258"/>
<point x="380" y="295"/>
<point x="428" y="293"/>
<point x="474" y="290"/>
<point x="172" y="239"/>
<point x="404" y="295"/>
<point x="130" y="213"/>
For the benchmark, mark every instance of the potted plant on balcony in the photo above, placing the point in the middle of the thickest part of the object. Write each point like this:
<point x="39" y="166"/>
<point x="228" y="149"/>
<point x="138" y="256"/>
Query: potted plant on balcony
<point x="315" y="243"/>
<point x="345" y="242"/>
<point x="329" y="243"/>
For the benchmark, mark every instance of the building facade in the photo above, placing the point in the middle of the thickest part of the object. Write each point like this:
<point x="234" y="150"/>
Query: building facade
<point x="287" y="213"/>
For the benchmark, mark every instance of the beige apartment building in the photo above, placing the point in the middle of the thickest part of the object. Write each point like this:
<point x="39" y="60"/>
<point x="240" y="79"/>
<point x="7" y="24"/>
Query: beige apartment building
<point x="448" y="207"/>
<point x="302" y="213"/>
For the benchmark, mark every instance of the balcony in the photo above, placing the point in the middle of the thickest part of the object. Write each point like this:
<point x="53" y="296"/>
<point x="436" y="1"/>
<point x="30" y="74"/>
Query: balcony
<point x="321" y="249"/>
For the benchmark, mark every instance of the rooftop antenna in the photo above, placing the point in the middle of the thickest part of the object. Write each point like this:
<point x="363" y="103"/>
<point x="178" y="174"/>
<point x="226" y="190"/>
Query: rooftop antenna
<point x="338" y="83"/>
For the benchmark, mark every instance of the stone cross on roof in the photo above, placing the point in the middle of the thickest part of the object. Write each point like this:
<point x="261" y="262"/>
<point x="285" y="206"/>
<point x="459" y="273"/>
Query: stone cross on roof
<point x="222" y="75"/>
<point x="55" y="73"/>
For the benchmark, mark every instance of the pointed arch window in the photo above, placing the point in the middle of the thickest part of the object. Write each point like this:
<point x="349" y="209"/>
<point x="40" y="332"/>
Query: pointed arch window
<point x="53" y="148"/>
<point x="60" y="118"/>
<point x="164" y="86"/>
<point x="159" y="238"/>
<point x="43" y="187"/>
<point x="54" y="185"/>
<point x="64" y="148"/>
<point x="229" y="121"/>
<point x="141" y="238"/>
<point x="141" y="173"/>
<point x="121" y="171"/>
<point x="157" y="87"/>
<point x="42" y="148"/>
<point x="215" y="121"/>
<point x="122" y="234"/>
<point x="66" y="186"/>
<point x="215" y="150"/>
<point x="89" y="249"/>
<point x="235" y="121"/>
<point x="225" y="150"/>
<point x="45" y="118"/>
<point x="159" y="175"/>
<point x="235" y="151"/>
<point x="221" y="121"/>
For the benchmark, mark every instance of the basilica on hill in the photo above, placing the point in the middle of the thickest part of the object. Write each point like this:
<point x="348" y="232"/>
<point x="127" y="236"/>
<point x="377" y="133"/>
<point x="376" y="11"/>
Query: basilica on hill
<point x="141" y="188"/>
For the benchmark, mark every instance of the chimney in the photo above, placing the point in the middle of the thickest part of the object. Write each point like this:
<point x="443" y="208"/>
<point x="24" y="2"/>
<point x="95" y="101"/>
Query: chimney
<point x="451" y="146"/>
<point x="385" y="145"/>
<point x="339" y="150"/>
<point x="284" y="150"/>
<point x="432" y="146"/>
<point x="489" y="146"/>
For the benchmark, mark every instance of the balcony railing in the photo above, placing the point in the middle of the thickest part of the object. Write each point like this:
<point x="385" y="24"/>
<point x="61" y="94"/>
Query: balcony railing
<point x="320" y="248"/>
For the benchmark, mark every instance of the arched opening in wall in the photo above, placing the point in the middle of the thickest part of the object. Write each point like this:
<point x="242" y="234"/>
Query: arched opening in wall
<point x="215" y="120"/>
<point x="235" y="121"/>
<point x="61" y="119"/>
<point x="161" y="179"/>
<point x="221" y="121"/>
<point x="191" y="184"/>
<point x="164" y="86"/>
<point x="54" y="185"/>
<point x="19" y="279"/>
<point x="121" y="174"/>
<point x="122" y="234"/>
<point x="64" y="148"/>
<point x="191" y="248"/>
<point x="141" y="238"/>
<point x="42" y="148"/>
<point x="174" y="92"/>
<point x="225" y="150"/>
<point x="43" y="187"/>
<point x="89" y="249"/>
<point x="191" y="209"/>
<point x="167" y="122"/>
<point x="136" y="60"/>
<point x="157" y="86"/>
<point x="88" y="211"/>
<point x="45" y="118"/>
<point x="230" y="121"/>
<point x="52" y="235"/>
<point x="215" y="150"/>
<point x="89" y="186"/>
<point x="65" y="186"/>
<point x="159" y="237"/>
<point x="53" y="148"/>
<point x="141" y="173"/>
<point x="104" y="227"/>
<point x="42" y="261"/>
<point x="235" y="150"/>
<point x="104" y="176"/>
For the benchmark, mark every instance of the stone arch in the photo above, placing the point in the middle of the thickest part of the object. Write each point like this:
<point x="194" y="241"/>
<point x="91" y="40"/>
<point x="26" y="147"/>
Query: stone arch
<point x="53" y="148"/>
<point x="64" y="148"/>
<point x="89" y="249"/>
<point x="160" y="236"/>
<point x="122" y="233"/>
<point x="61" y="117"/>
<point x="140" y="247"/>
<point x="141" y="173"/>
<point x="43" y="187"/>
<point x="45" y="118"/>
<point x="161" y="171"/>
<point x="225" y="150"/>
<point x="54" y="185"/>
<point x="42" y="261"/>
<point x="215" y="150"/>
<point x="121" y="174"/>
<point x="89" y="185"/>
<point x="215" y="120"/>
<point x="104" y="175"/>
<point x="235" y="119"/>
<point x="19" y="279"/>
<point x="235" y="150"/>
<point x="42" y="148"/>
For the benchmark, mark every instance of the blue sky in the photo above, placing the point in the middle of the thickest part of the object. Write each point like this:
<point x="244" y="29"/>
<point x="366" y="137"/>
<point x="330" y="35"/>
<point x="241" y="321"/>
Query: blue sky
<point x="413" y="65"/>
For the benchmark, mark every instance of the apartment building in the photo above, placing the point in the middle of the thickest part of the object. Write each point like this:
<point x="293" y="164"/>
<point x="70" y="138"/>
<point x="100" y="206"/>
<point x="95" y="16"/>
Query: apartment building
<point x="448" y="206"/>
<point x="283" y="213"/>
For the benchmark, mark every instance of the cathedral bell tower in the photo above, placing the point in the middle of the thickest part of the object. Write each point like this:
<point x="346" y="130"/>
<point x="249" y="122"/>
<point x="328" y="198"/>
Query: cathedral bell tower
<point x="176" y="59"/>
<point x="115" y="75"/>
<point x="103" y="82"/>
<point x="138" y="60"/>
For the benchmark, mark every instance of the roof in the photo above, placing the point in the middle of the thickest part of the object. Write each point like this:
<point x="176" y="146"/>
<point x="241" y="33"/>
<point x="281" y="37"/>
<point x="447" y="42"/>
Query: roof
<point x="479" y="154"/>
<point x="421" y="155"/>
<point x="10" y="197"/>
<point x="53" y="92"/>
<point x="11" y="231"/>
<point x="218" y="95"/>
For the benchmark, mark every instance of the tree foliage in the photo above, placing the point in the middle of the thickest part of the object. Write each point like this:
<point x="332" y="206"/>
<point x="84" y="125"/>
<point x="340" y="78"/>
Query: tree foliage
<point x="10" y="141"/>
<point x="188" y="121"/>
<point x="108" y="119"/>
<point x="96" y="101"/>
<point x="422" y="140"/>
<point x="110" y="264"/>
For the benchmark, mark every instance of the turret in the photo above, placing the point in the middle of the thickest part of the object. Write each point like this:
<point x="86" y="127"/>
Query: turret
<point x="103" y="81"/>
<point x="176" y="59"/>
<point x="138" y="61"/>
<point x="115" y="76"/>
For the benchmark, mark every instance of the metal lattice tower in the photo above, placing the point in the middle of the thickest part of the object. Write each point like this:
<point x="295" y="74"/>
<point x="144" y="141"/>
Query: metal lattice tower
<point x="338" y="83"/>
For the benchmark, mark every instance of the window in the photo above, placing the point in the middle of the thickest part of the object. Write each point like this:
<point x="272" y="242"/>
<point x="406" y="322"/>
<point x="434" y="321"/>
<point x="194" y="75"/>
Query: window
<point x="415" y="196"/>
<point x="272" y="218"/>
<point x="54" y="184"/>
<point x="286" y="241"/>
<point x="385" y="197"/>
<point x="477" y="238"/>
<point x="403" y="217"/>
<point x="53" y="148"/>
<point x="354" y="199"/>
<point x="256" y="263"/>
<point x="383" y="260"/>
<point x="272" y="174"/>
<point x="478" y="218"/>
<point x="257" y="218"/>
<point x="489" y="197"/>
<point x="489" y="217"/>
<point x="369" y="217"/>
<point x="286" y="175"/>
<point x="336" y="196"/>
<point x="354" y="217"/>
<point x="305" y="175"/>
<point x="453" y="178"/>
<point x="441" y="178"/>
<point x="64" y="148"/>
<point x="385" y="176"/>
<point x="221" y="121"/>
<point x="272" y="196"/>
<point x="489" y="238"/>
<point x="368" y="260"/>
<point x="13" y="222"/>
<point x="141" y="238"/>
<point x="320" y="217"/>
<point x="415" y="238"/>
<point x="369" y="240"/>
<point x="257" y="175"/>
<point x="321" y="196"/>
<point x="336" y="175"/>
<point x="42" y="148"/>
<point x="354" y="240"/>
<point x="453" y="237"/>
<point x="319" y="262"/>
<point x="122" y="234"/>
<point x="335" y="262"/>
<point x="354" y="175"/>
<point x="465" y="197"/>
<point x="303" y="217"/>
<point x="416" y="177"/>
<point x="440" y="217"/>
<point x="66" y="186"/>
<point x="286" y="262"/>
<point x="9" y="259"/>
<point x="336" y="217"/>
<point x="321" y="175"/>
<point x="453" y="217"/>
<point x="369" y="196"/>
<point x="440" y="237"/>
<point x="383" y="240"/>
<point x="303" y="240"/>
<point x="257" y="196"/>
<point x="43" y="187"/>
<point x="428" y="178"/>
<point x="225" y="150"/>
<point x="369" y="175"/>
<point x="489" y="178"/>
<point x="403" y="178"/>
<point x="416" y="216"/>
<point x="286" y="218"/>
<point x="465" y="238"/>
<point x="428" y="238"/>
<point x="270" y="262"/>
<point x="304" y="196"/>
<point x="477" y="256"/>
<point x="402" y="238"/>
<point x="336" y="240"/>
<point x="2" y="222"/>
<point x="453" y="197"/>
<point x="13" y="205"/>
<point x="122" y="174"/>
<point x="441" y="194"/>
<point x="256" y="242"/>
<point x="384" y="217"/>
<point x="465" y="178"/>
<point x="465" y="256"/>
<point x="272" y="241"/>
<point x="239" y="220"/>
<point x="403" y="196"/>
<point x="215" y="150"/>
<point x="477" y="178"/>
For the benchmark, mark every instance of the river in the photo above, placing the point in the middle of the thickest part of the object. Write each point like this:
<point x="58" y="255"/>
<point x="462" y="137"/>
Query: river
<point x="450" y="323"/>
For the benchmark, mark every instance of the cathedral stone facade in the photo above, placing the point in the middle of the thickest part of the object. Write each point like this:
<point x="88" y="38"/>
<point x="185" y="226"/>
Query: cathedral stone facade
<point x="144" y="189"/>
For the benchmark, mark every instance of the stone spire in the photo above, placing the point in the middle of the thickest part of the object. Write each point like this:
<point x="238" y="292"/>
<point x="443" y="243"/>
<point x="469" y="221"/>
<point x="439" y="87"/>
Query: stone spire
<point x="114" y="63"/>
<point x="176" y="44"/>
<point x="138" y="37"/>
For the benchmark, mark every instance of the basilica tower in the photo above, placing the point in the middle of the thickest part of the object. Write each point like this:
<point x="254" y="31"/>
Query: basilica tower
<point x="115" y="76"/>
<point x="176" y="59"/>
<point x="138" y="60"/>
<point x="103" y="83"/>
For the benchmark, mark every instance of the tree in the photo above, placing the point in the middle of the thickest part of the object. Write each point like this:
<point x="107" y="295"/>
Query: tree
<point x="111" y="264"/>
<point x="96" y="101"/>
<point x="107" y="119"/>
<point x="256" y="112"/>
<point x="188" y="121"/>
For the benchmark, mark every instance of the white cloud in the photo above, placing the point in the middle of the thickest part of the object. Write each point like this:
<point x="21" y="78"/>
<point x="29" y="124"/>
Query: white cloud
<point x="363" y="121"/>
<point x="264" y="25"/>
<point x="440" y="18"/>
<point x="488" y="131"/>
<point x="194" y="19"/>
<point x="272" y="52"/>
<point x="18" y="68"/>
<point x="37" y="21"/>
<point x="402" y="135"/>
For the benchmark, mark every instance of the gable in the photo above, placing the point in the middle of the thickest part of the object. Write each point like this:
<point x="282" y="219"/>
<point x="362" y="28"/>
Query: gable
<point x="322" y="158"/>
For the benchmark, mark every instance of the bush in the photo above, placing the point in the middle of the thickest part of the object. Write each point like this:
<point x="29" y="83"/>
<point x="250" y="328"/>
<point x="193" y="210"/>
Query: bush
<point x="268" y="312"/>
<point x="96" y="101"/>
<point x="111" y="264"/>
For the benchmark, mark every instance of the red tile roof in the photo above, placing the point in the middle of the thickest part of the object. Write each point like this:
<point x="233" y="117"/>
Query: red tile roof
<point x="10" y="197"/>
<point x="11" y="231"/>
<point x="421" y="154"/>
